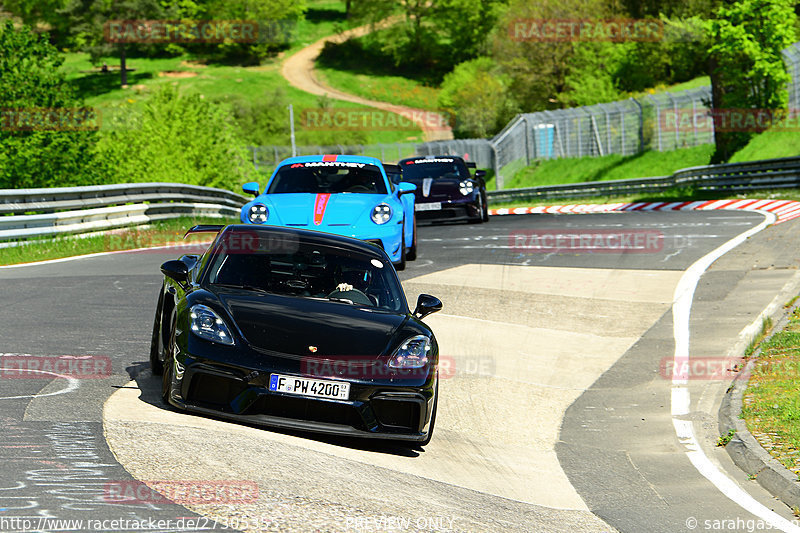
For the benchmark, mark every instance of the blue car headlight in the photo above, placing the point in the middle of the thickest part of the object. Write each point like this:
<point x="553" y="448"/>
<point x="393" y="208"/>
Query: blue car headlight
<point x="206" y="324"/>
<point x="413" y="353"/>
<point x="381" y="214"/>
<point x="257" y="214"/>
<point x="466" y="187"/>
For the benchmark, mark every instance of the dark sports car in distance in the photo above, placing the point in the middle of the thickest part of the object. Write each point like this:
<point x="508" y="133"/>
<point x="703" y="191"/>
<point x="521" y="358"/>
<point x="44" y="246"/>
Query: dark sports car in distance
<point x="296" y="329"/>
<point x="445" y="188"/>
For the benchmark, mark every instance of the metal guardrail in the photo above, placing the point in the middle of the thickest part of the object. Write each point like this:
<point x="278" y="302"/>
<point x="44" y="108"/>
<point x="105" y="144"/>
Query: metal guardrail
<point x="30" y="213"/>
<point x="730" y="177"/>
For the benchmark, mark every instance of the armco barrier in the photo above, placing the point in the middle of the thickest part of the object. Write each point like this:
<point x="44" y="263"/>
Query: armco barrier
<point x="730" y="177"/>
<point x="29" y="213"/>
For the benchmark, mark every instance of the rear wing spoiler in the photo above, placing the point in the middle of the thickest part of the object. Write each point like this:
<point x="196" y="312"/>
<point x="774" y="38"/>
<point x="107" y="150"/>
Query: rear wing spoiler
<point x="203" y="228"/>
<point x="471" y="164"/>
<point x="390" y="167"/>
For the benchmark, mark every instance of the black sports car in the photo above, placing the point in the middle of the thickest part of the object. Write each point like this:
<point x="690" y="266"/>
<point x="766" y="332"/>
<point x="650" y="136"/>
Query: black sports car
<point x="445" y="188"/>
<point x="298" y="329"/>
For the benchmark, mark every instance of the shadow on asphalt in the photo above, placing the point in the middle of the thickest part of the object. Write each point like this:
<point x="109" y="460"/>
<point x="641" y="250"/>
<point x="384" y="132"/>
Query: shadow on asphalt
<point x="150" y="392"/>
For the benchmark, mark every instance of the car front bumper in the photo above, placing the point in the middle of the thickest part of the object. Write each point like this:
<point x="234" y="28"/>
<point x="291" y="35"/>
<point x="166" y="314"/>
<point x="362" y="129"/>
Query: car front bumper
<point x="467" y="208"/>
<point x="233" y="383"/>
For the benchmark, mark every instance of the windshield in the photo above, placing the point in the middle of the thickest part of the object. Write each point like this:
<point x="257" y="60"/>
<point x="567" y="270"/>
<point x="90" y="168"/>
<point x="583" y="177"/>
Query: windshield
<point x="307" y="270"/>
<point x="440" y="167"/>
<point x="328" y="177"/>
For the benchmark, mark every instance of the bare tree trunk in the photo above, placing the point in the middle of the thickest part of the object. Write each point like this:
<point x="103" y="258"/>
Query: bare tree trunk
<point x="123" y="67"/>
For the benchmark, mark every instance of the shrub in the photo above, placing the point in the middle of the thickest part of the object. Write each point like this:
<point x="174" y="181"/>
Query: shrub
<point x="175" y="138"/>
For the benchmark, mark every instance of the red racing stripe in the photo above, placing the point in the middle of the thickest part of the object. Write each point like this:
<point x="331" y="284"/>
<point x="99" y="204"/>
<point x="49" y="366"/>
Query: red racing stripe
<point x="320" y="204"/>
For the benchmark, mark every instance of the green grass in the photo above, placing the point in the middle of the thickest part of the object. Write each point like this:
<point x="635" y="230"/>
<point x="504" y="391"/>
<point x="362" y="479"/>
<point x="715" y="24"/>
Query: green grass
<point x="212" y="81"/>
<point x="700" y="81"/>
<point x="383" y="88"/>
<point x="158" y="233"/>
<point x="778" y="141"/>
<point x="610" y="167"/>
<point x="771" y="407"/>
<point x="216" y="81"/>
<point x="322" y="18"/>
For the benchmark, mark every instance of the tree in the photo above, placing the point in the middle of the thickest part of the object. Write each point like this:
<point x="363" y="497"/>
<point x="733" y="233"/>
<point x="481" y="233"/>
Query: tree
<point x="42" y="135"/>
<point x="276" y="19"/>
<point x="746" y="64"/>
<point x="434" y="34"/>
<point x="538" y="69"/>
<point x="90" y="21"/>
<point x="476" y="99"/>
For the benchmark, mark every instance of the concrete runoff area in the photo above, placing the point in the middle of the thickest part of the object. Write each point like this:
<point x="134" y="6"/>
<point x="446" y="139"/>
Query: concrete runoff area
<point x="499" y="415"/>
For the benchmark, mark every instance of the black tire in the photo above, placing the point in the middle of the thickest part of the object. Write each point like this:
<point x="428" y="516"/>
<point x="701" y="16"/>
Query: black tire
<point x="401" y="265"/>
<point x="155" y="356"/>
<point x="169" y="364"/>
<point x="155" y="363"/>
<point x="481" y="218"/>
<point x="485" y="210"/>
<point x="433" y="415"/>
<point x="411" y="255"/>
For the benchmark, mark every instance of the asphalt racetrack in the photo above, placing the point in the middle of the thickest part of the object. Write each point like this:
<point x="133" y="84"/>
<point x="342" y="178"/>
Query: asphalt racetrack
<point x="557" y="411"/>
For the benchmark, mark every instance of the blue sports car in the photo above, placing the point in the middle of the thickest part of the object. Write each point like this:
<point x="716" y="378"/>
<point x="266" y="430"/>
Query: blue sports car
<point x="343" y="194"/>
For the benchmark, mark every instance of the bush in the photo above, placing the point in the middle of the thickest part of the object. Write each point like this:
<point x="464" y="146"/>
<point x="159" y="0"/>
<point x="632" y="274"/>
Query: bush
<point x="175" y="138"/>
<point x="265" y="121"/>
<point x="30" y="82"/>
<point x="476" y="98"/>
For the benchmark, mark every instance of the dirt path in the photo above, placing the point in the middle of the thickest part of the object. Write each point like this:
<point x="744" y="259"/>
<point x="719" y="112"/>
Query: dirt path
<point x="298" y="69"/>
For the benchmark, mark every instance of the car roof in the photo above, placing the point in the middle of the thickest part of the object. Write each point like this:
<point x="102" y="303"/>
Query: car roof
<point x="423" y="157"/>
<point x="311" y="236"/>
<point x="331" y="157"/>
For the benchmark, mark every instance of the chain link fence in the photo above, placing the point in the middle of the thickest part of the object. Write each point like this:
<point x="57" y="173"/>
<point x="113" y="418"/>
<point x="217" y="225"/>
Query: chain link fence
<point x="266" y="158"/>
<point x="664" y="121"/>
<point x="791" y="57"/>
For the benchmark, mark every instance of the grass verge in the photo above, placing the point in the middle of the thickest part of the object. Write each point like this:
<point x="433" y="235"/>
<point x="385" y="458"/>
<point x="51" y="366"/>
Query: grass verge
<point x="156" y="234"/>
<point x="771" y="407"/>
<point x="610" y="167"/>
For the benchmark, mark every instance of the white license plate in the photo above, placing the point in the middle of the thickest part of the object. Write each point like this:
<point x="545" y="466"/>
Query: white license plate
<point x="432" y="206"/>
<point x="317" y="388"/>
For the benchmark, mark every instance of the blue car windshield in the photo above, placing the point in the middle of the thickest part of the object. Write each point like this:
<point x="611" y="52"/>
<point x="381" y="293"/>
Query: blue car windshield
<point x="328" y="177"/>
<point x="435" y="168"/>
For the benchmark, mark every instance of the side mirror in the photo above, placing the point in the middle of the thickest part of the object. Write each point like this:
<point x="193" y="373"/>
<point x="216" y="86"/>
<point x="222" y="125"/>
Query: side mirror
<point x="427" y="304"/>
<point x="480" y="173"/>
<point x="176" y="270"/>
<point x="251" y="187"/>
<point x="405" y="188"/>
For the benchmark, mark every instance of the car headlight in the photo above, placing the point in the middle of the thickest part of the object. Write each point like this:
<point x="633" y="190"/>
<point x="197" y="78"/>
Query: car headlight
<point x="258" y="213"/>
<point x="413" y="353"/>
<point x="466" y="187"/>
<point x="206" y="324"/>
<point x="381" y="213"/>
